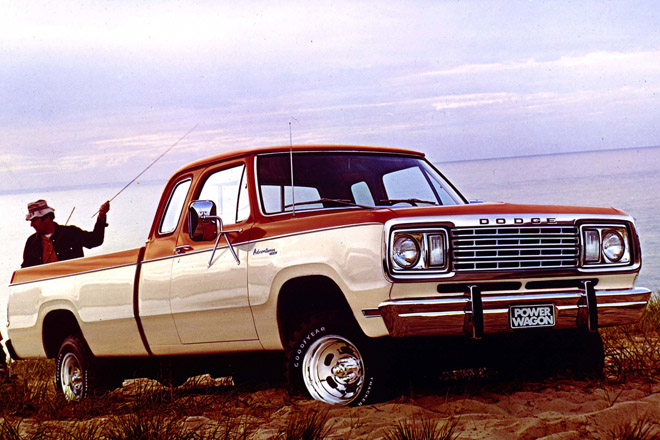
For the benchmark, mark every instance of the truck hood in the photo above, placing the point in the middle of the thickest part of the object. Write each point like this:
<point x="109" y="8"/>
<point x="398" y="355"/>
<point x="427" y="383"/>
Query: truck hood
<point x="504" y="209"/>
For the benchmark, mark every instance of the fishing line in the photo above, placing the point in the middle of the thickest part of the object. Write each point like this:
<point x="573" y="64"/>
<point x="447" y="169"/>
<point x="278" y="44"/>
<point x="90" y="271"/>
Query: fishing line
<point x="151" y="164"/>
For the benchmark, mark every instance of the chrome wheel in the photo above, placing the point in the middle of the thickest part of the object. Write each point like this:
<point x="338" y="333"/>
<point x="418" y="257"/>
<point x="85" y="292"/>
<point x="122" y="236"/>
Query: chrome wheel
<point x="333" y="370"/>
<point x="72" y="377"/>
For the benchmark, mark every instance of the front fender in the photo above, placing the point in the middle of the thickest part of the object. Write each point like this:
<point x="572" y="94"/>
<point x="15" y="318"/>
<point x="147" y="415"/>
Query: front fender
<point x="350" y="257"/>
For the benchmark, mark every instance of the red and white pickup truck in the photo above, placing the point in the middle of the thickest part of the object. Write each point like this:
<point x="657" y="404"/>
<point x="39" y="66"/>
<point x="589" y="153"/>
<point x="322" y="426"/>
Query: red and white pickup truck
<point x="327" y="254"/>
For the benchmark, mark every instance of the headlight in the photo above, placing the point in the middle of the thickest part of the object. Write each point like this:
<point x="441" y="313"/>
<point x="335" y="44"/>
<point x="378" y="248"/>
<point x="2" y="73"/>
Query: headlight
<point x="613" y="246"/>
<point x="405" y="251"/>
<point x="419" y="252"/>
<point x="605" y="245"/>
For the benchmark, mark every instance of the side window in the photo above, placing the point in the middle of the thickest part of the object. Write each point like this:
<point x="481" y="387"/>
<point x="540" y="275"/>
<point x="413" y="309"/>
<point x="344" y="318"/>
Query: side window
<point x="174" y="206"/>
<point x="228" y="189"/>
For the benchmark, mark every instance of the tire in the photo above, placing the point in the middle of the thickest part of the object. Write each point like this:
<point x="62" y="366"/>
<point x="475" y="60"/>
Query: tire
<point x="74" y="375"/>
<point x="334" y="363"/>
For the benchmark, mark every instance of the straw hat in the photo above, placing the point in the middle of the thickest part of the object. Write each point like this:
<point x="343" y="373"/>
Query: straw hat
<point x="38" y="209"/>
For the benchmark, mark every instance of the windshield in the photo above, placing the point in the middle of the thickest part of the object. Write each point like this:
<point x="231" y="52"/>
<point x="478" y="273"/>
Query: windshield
<point x="331" y="180"/>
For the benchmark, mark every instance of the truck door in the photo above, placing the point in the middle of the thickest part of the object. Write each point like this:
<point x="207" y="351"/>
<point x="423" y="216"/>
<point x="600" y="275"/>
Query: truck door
<point x="210" y="303"/>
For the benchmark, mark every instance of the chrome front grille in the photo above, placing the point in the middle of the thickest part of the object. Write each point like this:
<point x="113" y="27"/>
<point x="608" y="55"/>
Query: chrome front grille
<point x="514" y="248"/>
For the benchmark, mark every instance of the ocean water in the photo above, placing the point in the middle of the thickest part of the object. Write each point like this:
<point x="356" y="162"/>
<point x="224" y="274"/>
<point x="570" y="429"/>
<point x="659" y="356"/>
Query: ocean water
<point x="627" y="179"/>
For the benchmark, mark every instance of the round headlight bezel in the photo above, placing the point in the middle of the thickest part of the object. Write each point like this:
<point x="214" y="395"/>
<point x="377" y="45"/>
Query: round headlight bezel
<point x="613" y="245"/>
<point x="406" y="251"/>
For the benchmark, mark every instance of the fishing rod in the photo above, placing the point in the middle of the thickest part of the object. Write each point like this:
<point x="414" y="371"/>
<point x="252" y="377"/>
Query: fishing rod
<point x="151" y="164"/>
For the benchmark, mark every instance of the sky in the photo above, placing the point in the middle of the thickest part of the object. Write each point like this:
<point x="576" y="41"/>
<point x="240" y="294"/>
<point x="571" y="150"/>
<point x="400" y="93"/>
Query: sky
<point x="92" y="92"/>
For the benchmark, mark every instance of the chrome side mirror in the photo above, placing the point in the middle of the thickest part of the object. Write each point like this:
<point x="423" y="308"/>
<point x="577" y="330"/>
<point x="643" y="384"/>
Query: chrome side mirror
<point x="202" y="224"/>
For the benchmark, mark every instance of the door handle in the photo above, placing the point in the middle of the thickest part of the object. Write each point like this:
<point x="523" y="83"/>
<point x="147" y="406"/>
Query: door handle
<point x="182" y="249"/>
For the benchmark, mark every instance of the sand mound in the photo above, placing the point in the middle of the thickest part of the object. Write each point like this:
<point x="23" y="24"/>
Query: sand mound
<point x="560" y="409"/>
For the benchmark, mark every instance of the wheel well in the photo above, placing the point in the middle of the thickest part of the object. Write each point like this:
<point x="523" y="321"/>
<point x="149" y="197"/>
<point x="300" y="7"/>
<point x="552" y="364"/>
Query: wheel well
<point x="303" y="297"/>
<point x="58" y="325"/>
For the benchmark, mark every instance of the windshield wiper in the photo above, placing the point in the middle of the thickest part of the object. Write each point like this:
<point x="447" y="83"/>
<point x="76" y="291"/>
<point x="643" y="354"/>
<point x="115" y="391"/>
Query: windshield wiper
<point x="412" y="201"/>
<point x="325" y="200"/>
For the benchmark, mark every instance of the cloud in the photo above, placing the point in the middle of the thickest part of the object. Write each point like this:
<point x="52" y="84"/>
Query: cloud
<point x="474" y="100"/>
<point x="548" y="100"/>
<point x="605" y="62"/>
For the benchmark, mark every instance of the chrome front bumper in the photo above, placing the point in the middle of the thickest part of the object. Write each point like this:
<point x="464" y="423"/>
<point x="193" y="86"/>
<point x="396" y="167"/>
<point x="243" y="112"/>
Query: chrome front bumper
<point x="476" y="314"/>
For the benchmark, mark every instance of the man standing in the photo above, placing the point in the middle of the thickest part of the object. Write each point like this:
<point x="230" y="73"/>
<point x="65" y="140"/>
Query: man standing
<point x="53" y="242"/>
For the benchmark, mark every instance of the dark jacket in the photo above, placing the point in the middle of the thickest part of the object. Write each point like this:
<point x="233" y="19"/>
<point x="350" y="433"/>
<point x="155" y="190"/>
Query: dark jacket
<point x="68" y="242"/>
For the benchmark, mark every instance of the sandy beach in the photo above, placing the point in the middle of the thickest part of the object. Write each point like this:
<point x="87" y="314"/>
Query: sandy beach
<point x="552" y="409"/>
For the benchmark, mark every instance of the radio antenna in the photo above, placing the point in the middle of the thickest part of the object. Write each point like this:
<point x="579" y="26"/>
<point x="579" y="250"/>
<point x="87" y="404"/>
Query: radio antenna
<point x="293" y="191"/>
<point x="151" y="164"/>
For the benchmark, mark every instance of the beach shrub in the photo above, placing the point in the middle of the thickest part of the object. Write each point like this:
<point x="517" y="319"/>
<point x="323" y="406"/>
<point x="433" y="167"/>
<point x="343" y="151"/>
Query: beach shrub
<point x="633" y="351"/>
<point x="641" y="429"/>
<point x="306" y="425"/>
<point x="424" y="429"/>
<point x="13" y="430"/>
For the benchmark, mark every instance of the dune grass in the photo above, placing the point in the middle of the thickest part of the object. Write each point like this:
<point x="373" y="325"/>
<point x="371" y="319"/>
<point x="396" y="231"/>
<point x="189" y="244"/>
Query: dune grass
<point x="641" y="429"/>
<point x="308" y="425"/>
<point x="632" y="352"/>
<point x="423" y="429"/>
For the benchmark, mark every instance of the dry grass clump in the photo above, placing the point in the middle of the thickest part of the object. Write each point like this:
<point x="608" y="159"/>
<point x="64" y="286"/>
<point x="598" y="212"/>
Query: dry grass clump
<point x="642" y="429"/>
<point x="308" y="425"/>
<point x="424" y="429"/>
<point x="633" y="351"/>
<point x="11" y="430"/>
<point x="30" y="391"/>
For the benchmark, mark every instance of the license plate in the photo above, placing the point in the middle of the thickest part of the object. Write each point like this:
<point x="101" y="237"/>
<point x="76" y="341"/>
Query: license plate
<point x="540" y="315"/>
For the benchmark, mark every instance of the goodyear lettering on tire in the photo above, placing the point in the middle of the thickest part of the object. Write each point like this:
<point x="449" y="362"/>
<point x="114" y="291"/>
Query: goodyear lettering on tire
<point x="305" y="341"/>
